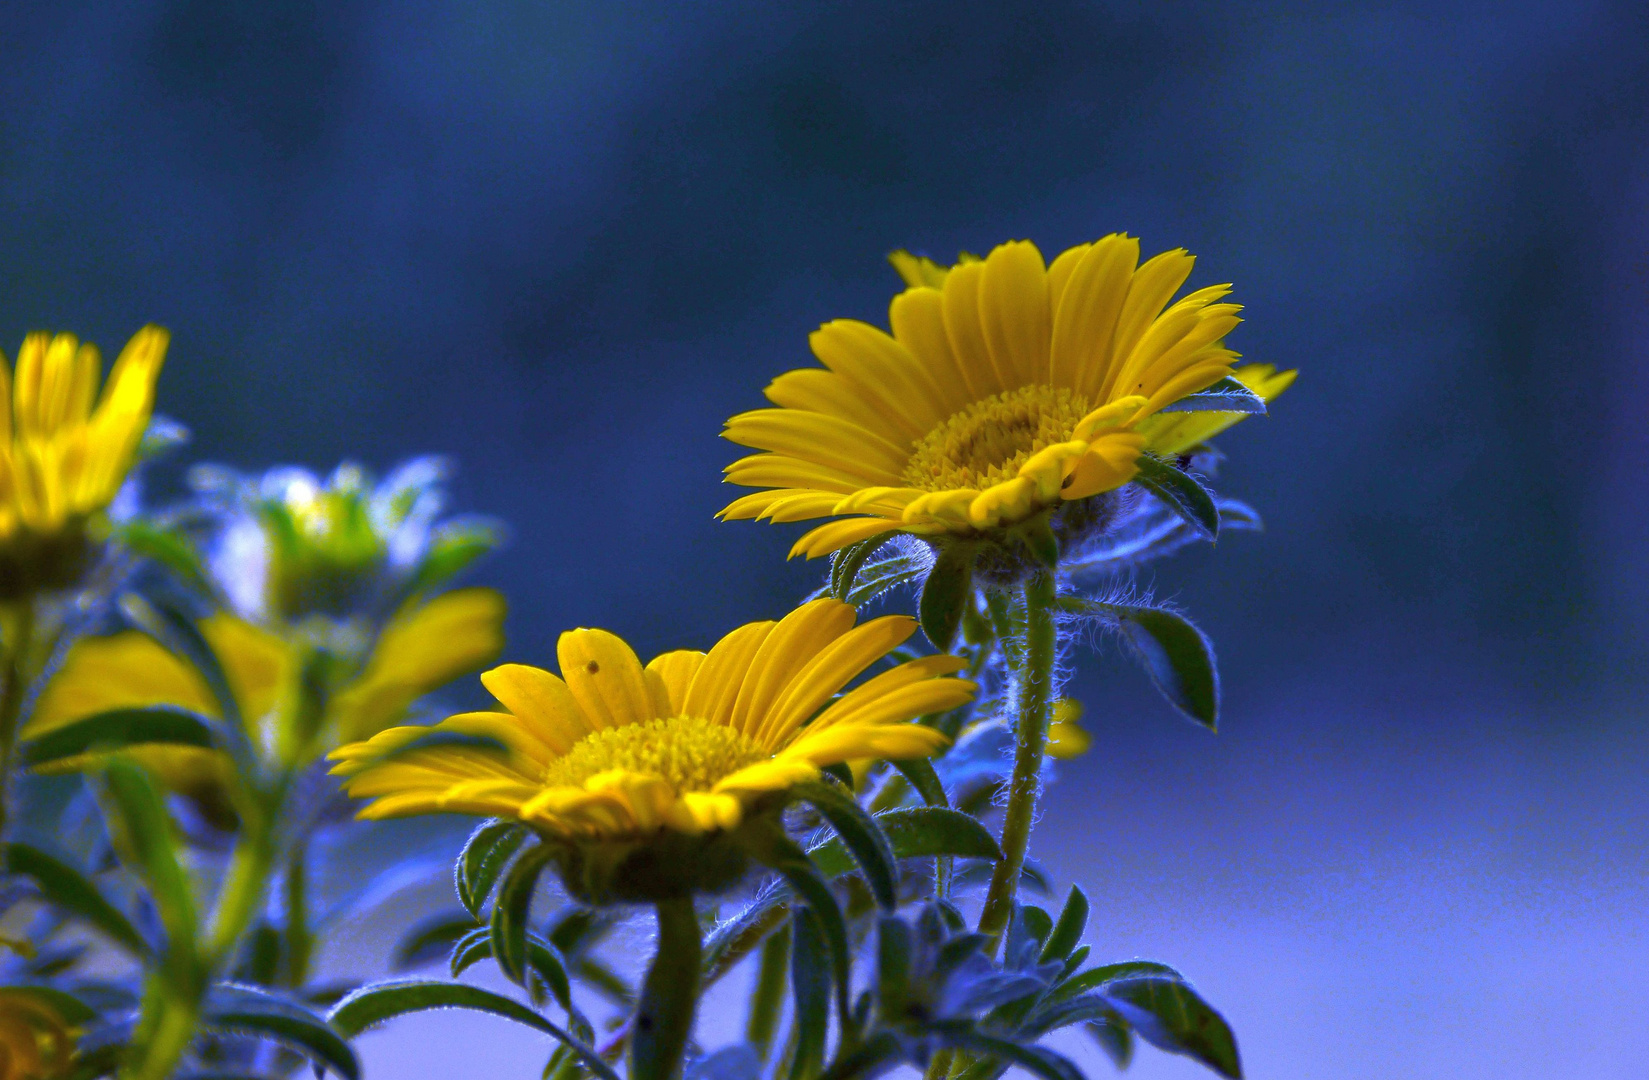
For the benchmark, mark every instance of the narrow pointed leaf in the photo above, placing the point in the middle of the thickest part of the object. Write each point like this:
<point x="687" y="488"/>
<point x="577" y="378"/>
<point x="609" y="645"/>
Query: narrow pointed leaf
<point x="484" y="857"/>
<point x="74" y="893"/>
<point x="1067" y="931"/>
<point x="1035" y="1060"/>
<point x="1227" y="395"/>
<point x="380" y="1002"/>
<point x="863" y="837"/>
<point x="845" y="565"/>
<point x="118" y="729"/>
<point x="919" y="772"/>
<point x="510" y="910"/>
<point x="1179" y="658"/>
<point x="770" y="846"/>
<point x="914" y="832"/>
<point x="431" y="938"/>
<point x="1181" y="492"/>
<point x="946" y="594"/>
<point x="248" y="1010"/>
<point x="142" y="833"/>
<point x="1169" y="1015"/>
<point x="810" y="983"/>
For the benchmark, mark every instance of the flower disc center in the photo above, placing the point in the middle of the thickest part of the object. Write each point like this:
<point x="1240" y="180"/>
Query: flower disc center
<point x="690" y="753"/>
<point x="988" y="441"/>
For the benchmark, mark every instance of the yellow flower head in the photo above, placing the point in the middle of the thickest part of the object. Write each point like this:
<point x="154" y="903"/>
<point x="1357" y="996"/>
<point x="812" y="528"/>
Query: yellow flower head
<point x="1006" y="388"/>
<point x="612" y="752"/>
<point x="62" y="459"/>
<point x="36" y="1041"/>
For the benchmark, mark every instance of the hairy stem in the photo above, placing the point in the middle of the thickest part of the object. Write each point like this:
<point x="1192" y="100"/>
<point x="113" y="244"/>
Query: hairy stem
<point x="1034" y="675"/>
<point x="664" y="1018"/>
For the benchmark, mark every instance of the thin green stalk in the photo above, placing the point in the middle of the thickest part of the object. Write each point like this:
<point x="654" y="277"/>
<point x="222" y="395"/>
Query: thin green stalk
<point x="14" y="686"/>
<point x="300" y="941"/>
<point x="244" y="889"/>
<point x="669" y="995"/>
<point x="1035" y="672"/>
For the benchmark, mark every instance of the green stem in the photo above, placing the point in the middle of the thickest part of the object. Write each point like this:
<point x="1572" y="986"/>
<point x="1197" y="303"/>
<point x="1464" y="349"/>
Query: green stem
<point x="664" y="1018"/>
<point x="167" y="1029"/>
<point x="300" y="942"/>
<point x="243" y="891"/>
<point x="1035" y="692"/>
<point x="14" y="686"/>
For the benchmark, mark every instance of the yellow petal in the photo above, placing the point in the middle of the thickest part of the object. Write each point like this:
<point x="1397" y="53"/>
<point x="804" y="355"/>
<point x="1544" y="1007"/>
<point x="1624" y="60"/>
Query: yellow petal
<point x="784" y="653"/>
<point x="835" y="535"/>
<point x="541" y="701"/>
<point x="715" y="686"/>
<point x="1016" y="318"/>
<point x="605" y="678"/>
<point x="1111" y="461"/>
<point x="675" y="670"/>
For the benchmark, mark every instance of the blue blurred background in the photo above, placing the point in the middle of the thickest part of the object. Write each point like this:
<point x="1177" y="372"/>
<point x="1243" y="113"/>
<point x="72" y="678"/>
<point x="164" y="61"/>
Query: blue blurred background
<point x="562" y="242"/>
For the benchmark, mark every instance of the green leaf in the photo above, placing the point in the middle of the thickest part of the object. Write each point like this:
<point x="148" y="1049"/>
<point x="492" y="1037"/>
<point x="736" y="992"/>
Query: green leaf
<point x="915" y="832"/>
<point x="766" y="1003"/>
<point x="845" y="565"/>
<point x="380" y="1002"/>
<point x="810" y="983"/>
<point x="1169" y="1015"/>
<point x="878" y="577"/>
<point x="234" y="1009"/>
<point x="485" y="854"/>
<point x="70" y="1008"/>
<point x="1115" y="1038"/>
<point x="1039" y="539"/>
<point x="510" y="911"/>
<point x="1099" y="976"/>
<point x="946" y="594"/>
<point x="118" y="729"/>
<point x="1067" y="931"/>
<point x="863" y="837"/>
<point x="72" y="892"/>
<point x="1180" y="660"/>
<point x="772" y="848"/>
<point x="170" y="549"/>
<point x="1227" y="395"/>
<point x="735" y="937"/>
<point x="141" y="832"/>
<point x="469" y="950"/>
<point x="453" y="548"/>
<point x="920" y="774"/>
<point x="1033" y="1059"/>
<point x="893" y="952"/>
<point x="431" y="937"/>
<point x="866" y="1059"/>
<point x="1181" y="493"/>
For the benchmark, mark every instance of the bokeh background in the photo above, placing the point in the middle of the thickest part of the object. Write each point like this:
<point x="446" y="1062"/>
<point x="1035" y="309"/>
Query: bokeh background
<point x="561" y="242"/>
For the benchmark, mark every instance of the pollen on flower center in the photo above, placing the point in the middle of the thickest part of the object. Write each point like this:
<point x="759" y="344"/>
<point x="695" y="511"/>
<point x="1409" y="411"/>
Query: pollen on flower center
<point x="690" y="753"/>
<point x="988" y="441"/>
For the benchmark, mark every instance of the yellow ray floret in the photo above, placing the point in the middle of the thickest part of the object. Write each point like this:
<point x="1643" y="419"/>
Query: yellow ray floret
<point x="1006" y="387"/>
<point x="61" y="456"/>
<point x="612" y="750"/>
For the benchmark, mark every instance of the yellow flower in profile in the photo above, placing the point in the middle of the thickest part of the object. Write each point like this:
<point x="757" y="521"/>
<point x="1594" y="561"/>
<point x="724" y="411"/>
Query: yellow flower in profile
<point x="62" y="459"/>
<point x="36" y="1041"/>
<point x="612" y="751"/>
<point x="1006" y="388"/>
<point x="421" y="649"/>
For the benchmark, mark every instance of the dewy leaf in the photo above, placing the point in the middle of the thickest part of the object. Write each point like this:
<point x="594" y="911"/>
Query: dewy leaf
<point x="863" y="837"/>
<point x="1181" y="492"/>
<point x="379" y="1002"/>
<point x="70" y="890"/>
<point x="1170" y="1016"/>
<point x="1179" y="659"/>
<point x="484" y="857"/>
<point x="118" y="729"/>
<point x="234" y="1009"/>
<point x="1227" y="395"/>
<point x="946" y="594"/>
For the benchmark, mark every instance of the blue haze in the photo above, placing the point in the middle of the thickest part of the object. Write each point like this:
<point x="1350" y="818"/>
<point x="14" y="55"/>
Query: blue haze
<point x="563" y="242"/>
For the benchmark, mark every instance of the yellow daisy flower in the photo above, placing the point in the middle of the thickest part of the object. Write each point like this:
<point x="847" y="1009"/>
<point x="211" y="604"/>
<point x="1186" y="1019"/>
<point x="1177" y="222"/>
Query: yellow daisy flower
<point x="423" y="648"/>
<point x="36" y="1041"/>
<point x="62" y="459"/>
<point x="688" y="745"/>
<point x="1006" y="388"/>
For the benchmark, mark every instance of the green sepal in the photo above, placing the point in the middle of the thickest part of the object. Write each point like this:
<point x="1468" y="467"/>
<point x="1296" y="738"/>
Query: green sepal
<point x="510" y="909"/>
<point x="878" y="577"/>
<point x="74" y="893"/>
<point x="1170" y="1015"/>
<point x="1181" y="493"/>
<point x="863" y="837"/>
<point x="846" y="563"/>
<point x="842" y="773"/>
<point x="810" y="995"/>
<point x="485" y="854"/>
<point x="1227" y="395"/>
<point x="1038" y="537"/>
<point x="946" y="594"/>
<point x="118" y="729"/>
<point x="379" y="1002"/>
<point x="1067" y="931"/>
<point x="250" y="1010"/>
<point x="453" y="548"/>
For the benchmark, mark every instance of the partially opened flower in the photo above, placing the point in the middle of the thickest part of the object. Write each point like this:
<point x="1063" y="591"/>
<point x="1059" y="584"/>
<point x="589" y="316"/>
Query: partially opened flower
<point x="1007" y="388"/>
<point x="65" y="450"/>
<point x="613" y="756"/>
<point x="424" y="647"/>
